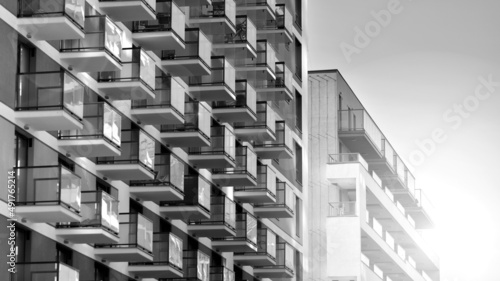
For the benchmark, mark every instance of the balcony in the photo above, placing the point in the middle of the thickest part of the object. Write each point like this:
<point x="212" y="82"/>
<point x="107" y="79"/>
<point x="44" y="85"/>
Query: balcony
<point x="264" y="129"/>
<point x="359" y="133"/>
<point x="49" y="20"/>
<point x="167" y="106"/>
<point x="54" y="271"/>
<point x="219" y="86"/>
<point x="100" y="50"/>
<point x="50" y="194"/>
<point x="282" y="208"/>
<point x="222" y="221"/>
<point x="284" y="267"/>
<point x="263" y="192"/>
<point x="128" y="10"/>
<point x="100" y="135"/>
<point x="221" y="152"/>
<point x="254" y="9"/>
<point x="242" y="109"/>
<point x="194" y="205"/>
<point x="245" y="238"/>
<point x="136" y="161"/>
<point x="277" y="89"/>
<point x="196" y="265"/>
<point x="100" y="223"/>
<point x="245" y="172"/>
<point x="164" y="29"/>
<point x="262" y="68"/>
<point x="266" y="250"/>
<point x="136" y="79"/>
<point x="167" y="262"/>
<point x="49" y="101"/>
<point x="280" y="30"/>
<point x="194" y="59"/>
<point x="221" y="273"/>
<point x="342" y="209"/>
<point x="194" y="132"/>
<point x="242" y="43"/>
<point x="423" y="213"/>
<point x="385" y="166"/>
<point x="215" y="18"/>
<point x="281" y="148"/>
<point x="168" y="184"/>
<point x="136" y="241"/>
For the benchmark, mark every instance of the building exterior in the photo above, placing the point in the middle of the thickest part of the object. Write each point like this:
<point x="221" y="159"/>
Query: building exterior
<point x="153" y="140"/>
<point x="366" y="214"/>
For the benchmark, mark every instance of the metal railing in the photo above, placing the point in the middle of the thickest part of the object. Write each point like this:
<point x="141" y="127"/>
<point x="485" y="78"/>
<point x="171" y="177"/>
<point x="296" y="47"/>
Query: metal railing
<point x="342" y="209"/>
<point x="343" y="158"/>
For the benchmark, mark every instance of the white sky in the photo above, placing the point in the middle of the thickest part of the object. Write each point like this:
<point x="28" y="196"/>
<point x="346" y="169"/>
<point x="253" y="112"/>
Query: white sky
<point x="427" y="58"/>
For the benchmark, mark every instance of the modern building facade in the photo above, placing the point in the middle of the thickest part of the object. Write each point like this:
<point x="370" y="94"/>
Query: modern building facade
<point x="153" y="139"/>
<point x="366" y="214"/>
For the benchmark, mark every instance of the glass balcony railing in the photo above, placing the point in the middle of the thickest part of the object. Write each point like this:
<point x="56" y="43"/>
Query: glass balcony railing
<point x="223" y="142"/>
<point x="218" y="9"/>
<point x="196" y="266"/>
<point x="98" y="210"/>
<point x="197" y="192"/>
<point x="198" y="118"/>
<point x="343" y="158"/>
<point x="169" y="172"/>
<point x="223" y="212"/>
<point x="48" y="185"/>
<point x="101" y="121"/>
<point x="223" y="74"/>
<point x="284" y="77"/>
<point x="246" y="32"/>
<point x="101" y="34"/>
<point x="359" y="120"/>
<point x="284" y="197"/>
<point x="266" y="181"/>
<point x="221" y="273"/>
<point x="389" y="154"/>
<point x="169" y="17"/>
<point x="266" y="56"/>
<point x="342" y="209"/>
<point x="284" y="258"/>
<point x="54" y="90"/>
<point x="137" y="148"/>
<point x="74" y="10"/>
<point x="137" y="65"/>
<point x="252" y="3"/>
<point x="136" y="231"/>
<point x="266" y="248"/>
<point x="167" y="250"/>
<point x="246" y="97"/>
<point x="283" y="138"/>
<point x="246" y="163"/>
<point x="284" y="19"/>
<point x="45" y="271"/>
<point x="197" y="46"/>
<point x="265" y="119"/>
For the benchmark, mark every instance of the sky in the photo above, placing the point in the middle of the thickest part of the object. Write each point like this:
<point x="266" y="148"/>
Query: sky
<point x="428" y="72"/>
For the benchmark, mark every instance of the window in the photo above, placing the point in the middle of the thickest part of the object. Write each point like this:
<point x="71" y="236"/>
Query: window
<point x="298" y="217"/>
<point x="298" y="111"/>
<point x="298" y="163"/>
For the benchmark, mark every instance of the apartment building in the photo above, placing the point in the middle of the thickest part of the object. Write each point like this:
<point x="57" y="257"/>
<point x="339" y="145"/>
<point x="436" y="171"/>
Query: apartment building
<point x="366" y="215"/>
<point x="153" y="139"/>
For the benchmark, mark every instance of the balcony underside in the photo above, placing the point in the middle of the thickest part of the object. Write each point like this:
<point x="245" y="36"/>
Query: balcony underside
<point x="278" y="272"/>
<point x="360" y="142"/>
<point x="272" y="212"/>
<point x="235" y="50"/>
<point x="273" y="152"/>
<point x="260" y="72"/>
<point x="212" y="93"/>
<point x="126" y="254"/>
<point x="49" y="120"/>
<point x="84" y="235"/>
<point x="232" y="114"/>
<point x="274" y="94"/>
<point x="238" y="179"/>
<point x="233" y="246"/>
<point x="155" y="271"/>
<point x="158" y="40"/>
<point x="127" y="10"/>
<point x="381" y="167"/>
<point x="156" y="193"/>
<point x="184" y="212"/>
<point x="47" y="213"/>
<point x="254" y="259"/>
<point x="405" y="197"/>
<point x="243" y="10"/>
<point x="186" y="67"/>
<point x="254" y="196"/>
<point x="258" y="134"/>
<point x="277" y="36"/>
<point x="130" y="90"/>
<point x="421" y="218"/>
<point x="185" y="139"/>
<point x="212" y="230"/>
<point x="158" y="116"/>
<point x="125" y="171"/>
<point x="211" y="161"/>
<point x="50" y="28"/>
<point x="91" y="61"/>
<point x="213" y="25"/>
<point x="89" y="147"/>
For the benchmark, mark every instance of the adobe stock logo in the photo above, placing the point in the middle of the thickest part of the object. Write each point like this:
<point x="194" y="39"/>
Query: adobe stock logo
<point x="454" y="116"/>
<point x="363" y="37"/>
